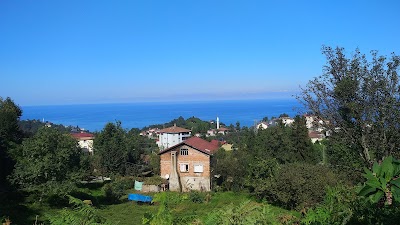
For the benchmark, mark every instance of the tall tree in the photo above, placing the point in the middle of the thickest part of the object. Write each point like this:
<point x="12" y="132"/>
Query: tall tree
<point x="111" y="149"/>
<point x="49" y="163"/>
<point x="10" y="136"/>
<point x="302" y="146"/>
<point x="360" y="100"/>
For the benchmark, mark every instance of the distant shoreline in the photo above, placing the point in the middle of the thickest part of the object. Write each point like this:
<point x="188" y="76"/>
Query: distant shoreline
<point x="139" y="115"/>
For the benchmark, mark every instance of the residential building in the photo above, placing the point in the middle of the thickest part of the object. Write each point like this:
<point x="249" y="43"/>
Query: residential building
<point x="171" y="136"/>
<point x="287" y="121"/>
<point x="315" y="136"/>
<point x="223" y="130"/>
<point x="85" y="141"/>
<point x="263" y="125"/>
<point x="187" y="164"/>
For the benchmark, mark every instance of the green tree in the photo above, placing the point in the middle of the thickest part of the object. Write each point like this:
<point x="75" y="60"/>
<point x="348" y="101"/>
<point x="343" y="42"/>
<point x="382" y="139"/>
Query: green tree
<point x="238" y="128"/>
<point x="359" y="99"/>
<point x="298" y="185"/>
<point x="10" y="136"/>
<point x="283" y="115"/>
<point x="302" y="146"/>
<point x="112" y="148"/>
<point x="49" y="163"/>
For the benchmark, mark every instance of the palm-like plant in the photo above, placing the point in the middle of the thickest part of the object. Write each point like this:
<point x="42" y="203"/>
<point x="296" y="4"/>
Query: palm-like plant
<point x="382" y="183"/>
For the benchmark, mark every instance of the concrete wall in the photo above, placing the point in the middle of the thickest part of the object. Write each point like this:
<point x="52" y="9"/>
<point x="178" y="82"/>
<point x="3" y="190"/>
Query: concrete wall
<point x="167" y="140"/>
<point x="189" y="180"/>
<point x="86" y="144"/>
<point x="150" y="188"/>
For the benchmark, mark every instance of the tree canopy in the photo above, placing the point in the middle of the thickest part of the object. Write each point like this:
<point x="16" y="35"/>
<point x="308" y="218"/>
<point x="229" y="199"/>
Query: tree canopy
<point x="49" y="163"/>
<point x="10" y="135"/>
<point x="359" y="98"/>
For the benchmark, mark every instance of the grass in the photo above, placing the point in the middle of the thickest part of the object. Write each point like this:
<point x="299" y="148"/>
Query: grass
<point x="129" y="213"/>
<point x="24" y="211"/>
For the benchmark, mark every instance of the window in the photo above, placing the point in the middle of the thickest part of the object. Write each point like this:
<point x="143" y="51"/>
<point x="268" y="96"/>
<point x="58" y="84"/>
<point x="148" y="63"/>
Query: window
<point x="184" y="167"/>
<point x="184" y="151"/>
<point x="198" y="168"/>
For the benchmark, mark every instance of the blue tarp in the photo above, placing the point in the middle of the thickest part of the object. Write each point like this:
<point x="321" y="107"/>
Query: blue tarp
<point x="139" y="198"/>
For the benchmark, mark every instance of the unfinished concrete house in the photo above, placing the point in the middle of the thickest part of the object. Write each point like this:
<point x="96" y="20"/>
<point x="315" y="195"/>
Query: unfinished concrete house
<point x="187" y="165"/>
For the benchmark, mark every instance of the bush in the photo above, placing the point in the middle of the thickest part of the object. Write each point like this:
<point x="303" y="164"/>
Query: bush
<point x="336" y="209"/>
<point x="300" y="185"/>
<point x="154" y="180"/>
<point x="116" y="189"/>
<point x="197" y="197"/>
<point x="366" y="212"/>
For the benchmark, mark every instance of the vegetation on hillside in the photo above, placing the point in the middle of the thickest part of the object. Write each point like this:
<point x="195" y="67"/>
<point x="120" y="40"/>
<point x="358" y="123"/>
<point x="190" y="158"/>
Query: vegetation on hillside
<point x="272" y="176"/>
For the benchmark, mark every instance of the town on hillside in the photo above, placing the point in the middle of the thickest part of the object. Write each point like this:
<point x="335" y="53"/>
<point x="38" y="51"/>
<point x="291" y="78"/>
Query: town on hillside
<point x="185" y="156"/>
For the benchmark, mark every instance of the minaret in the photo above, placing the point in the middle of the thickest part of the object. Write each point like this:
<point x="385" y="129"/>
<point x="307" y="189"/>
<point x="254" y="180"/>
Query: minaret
<point x="217" y="123"/>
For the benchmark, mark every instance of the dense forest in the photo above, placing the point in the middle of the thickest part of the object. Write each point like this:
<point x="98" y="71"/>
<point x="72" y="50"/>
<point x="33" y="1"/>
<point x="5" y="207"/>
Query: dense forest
<point x="277" y="175"/>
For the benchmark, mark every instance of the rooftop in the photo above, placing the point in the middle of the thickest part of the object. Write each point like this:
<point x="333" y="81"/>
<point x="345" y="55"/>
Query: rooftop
<point x="197" y="143"/>
<point x="82" y="135"/>
<point x="174" y="129"/>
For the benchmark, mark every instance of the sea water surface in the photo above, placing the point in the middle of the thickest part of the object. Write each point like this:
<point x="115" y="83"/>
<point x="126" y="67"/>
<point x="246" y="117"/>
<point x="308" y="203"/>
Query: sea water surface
<point x="93" y="117"/>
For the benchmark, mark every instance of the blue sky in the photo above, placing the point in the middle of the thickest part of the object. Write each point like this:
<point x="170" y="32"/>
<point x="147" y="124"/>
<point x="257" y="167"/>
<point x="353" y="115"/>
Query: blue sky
<point x="73" y="52"/>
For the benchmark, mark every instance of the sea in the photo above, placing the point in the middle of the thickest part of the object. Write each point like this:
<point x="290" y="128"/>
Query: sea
<point x="93" y="117"/>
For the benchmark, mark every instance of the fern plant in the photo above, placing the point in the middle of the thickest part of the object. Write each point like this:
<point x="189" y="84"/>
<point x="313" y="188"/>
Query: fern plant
<point x="82" y="214"/>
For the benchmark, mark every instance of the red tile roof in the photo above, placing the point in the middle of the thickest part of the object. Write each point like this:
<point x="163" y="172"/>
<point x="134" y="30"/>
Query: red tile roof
<point x="223" y="129"/>
<point x="174" y="129"/>
<point x="82" y="135"/>
<point x="196" y="143"/>
<point x="315" y="134"/>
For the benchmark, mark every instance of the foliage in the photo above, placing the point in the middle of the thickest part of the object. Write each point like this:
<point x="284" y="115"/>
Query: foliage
<point x="366" y="212"/>
<point x="163" y="215"/>
<point x="336" y="209"/>
<point x="118" y="152"/>
<point x="342" y="157"/>
<point x="359" y="100"/>
<point x="300" y="185"/>
<point x="229" y="170"/>
<point x="80" y="214"/>
<point x="246" y="213"/>
<point x="30" y="127"/>
<point x="154" y="180"/>
<point x="195" y="124"/>
<point x="111" y="149"/>
<point x="197" y="197"/>
<point x="382" y="182"/>
<point x="48" y="163"/>
<point x="10" y="136"/>
<point x="285" y="144"/>
<point x="116" y="189"/>
<point x="283" y="115"/>
<point x="154" y="163"/>
<point x="261" y="174"/>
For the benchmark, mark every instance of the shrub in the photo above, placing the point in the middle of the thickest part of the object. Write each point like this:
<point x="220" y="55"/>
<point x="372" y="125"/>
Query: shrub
<point x="337" y="207"/>
<point x="116" y="189"/>
<point x="154" y="180"/>
<point x="197" y="197"/>
<point x="300" y="185"/>
<point x="245" y="213"/>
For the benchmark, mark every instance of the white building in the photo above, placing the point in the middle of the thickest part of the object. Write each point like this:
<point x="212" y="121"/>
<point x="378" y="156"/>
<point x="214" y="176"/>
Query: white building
<point x="287" y="121"/>
<point x="171" y="136"/>
<point x="313" y="123"/>
<point x="316" y="136"/>
<point x="85" y="141"/>
<point x="263" y="125"/>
